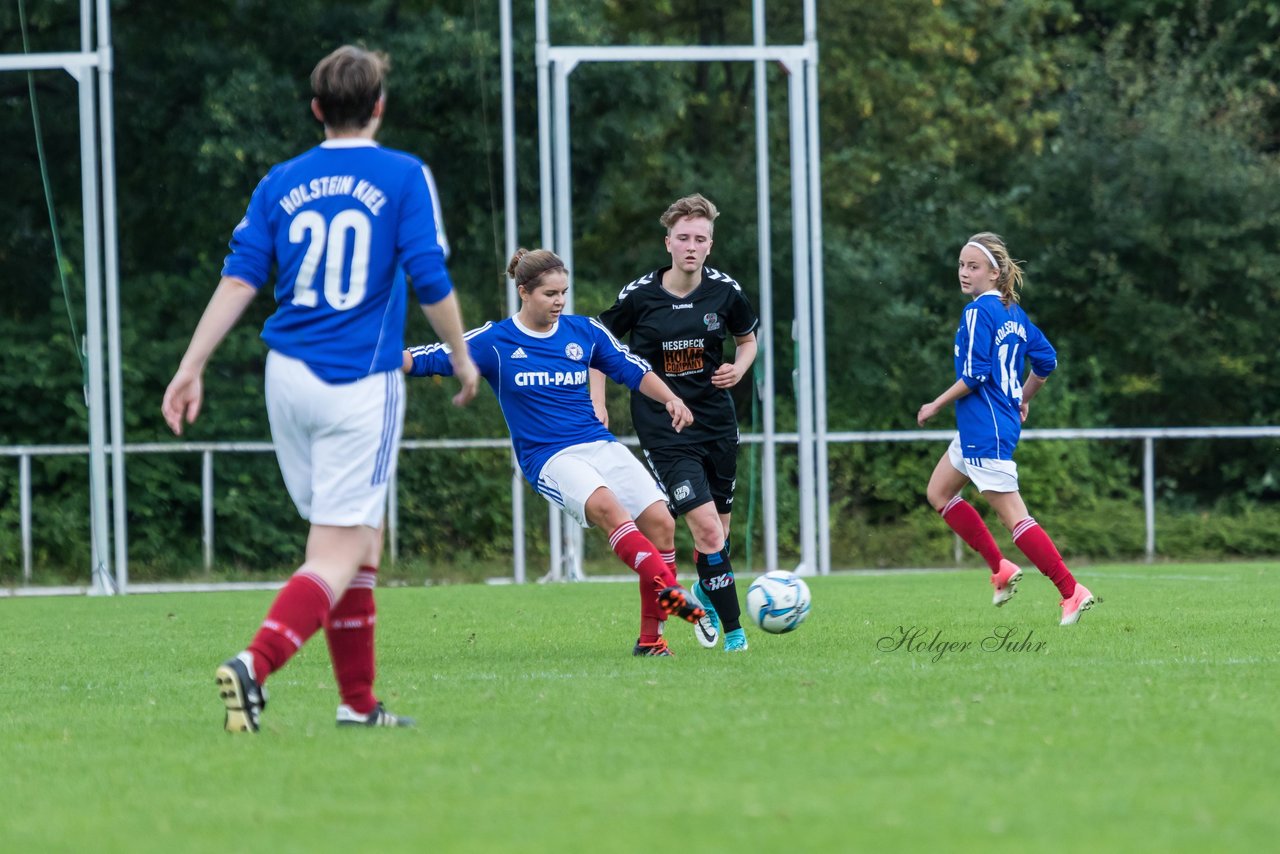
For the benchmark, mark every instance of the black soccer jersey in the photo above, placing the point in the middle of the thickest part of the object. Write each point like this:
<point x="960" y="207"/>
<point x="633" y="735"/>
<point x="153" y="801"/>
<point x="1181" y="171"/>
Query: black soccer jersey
<point x="683" y="339"/>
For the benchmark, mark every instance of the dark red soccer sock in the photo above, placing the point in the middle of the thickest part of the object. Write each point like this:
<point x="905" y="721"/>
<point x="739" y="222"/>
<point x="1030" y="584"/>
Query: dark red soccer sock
<point x="295" y="615"/>
<point x="1035" y="544"/>
<point x="641" y="555"/>
<point x="651" y="615"/>
<point x="961" y="516"/>
<point x="349" y="633"/>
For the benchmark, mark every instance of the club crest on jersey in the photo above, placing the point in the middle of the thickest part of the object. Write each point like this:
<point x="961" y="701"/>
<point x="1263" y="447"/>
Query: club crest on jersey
<point x="712" y="320"/>
<point x="573" y="350"/>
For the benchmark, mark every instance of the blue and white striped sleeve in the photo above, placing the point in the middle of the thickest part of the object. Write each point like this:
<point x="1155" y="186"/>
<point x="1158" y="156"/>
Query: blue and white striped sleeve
<point x="614" y="359"/>
<point x="976" y="332"/>
<point x="431" y="360"/>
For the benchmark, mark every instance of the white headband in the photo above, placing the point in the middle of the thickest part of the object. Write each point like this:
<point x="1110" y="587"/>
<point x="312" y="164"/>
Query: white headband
<point x="985" y="251"/>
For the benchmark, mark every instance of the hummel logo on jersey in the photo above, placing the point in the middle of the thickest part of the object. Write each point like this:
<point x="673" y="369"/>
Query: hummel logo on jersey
<point x="519" y="354"/>
<point x="640" y="558"/>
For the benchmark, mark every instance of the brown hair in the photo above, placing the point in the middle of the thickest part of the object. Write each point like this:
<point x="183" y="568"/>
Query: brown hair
<point x="1010" y="281"/>
<point x="527" y="268"/>
<point x="347" y="84"/>
<point x="697" y="205"/>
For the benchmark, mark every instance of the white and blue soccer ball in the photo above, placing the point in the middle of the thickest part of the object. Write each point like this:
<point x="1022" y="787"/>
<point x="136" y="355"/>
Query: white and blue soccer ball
<point x="778" y="601"/>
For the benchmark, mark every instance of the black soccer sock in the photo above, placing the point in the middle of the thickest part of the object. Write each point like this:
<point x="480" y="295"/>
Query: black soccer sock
<point x="715" y="574"/>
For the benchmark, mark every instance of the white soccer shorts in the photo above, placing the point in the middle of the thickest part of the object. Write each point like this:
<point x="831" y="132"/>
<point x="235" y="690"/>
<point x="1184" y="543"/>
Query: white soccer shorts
<point x="336" y="443"/>
<point x="570" y="477"/>
<point x="987" y="475"/>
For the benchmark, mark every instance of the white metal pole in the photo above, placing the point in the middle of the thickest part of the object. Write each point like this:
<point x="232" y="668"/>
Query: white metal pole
<point x="1149" y="494"/>
<point x="560" y="71"/>
<point x="804" y="318"/>
<point x="764" y="225"/>
<point x="509" y="190"/>
<point x="545" y="191"/>
<point x="24" y="513"/>
<point x="96" y="399"/>
<point x="814" y="163"/>
<point x="111" y="267"/>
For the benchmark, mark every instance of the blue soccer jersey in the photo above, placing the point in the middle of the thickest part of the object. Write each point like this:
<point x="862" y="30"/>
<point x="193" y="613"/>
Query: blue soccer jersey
<point x="540" y="379"/>
<point x="992" y="345"/>
<point x="342" y="224"/>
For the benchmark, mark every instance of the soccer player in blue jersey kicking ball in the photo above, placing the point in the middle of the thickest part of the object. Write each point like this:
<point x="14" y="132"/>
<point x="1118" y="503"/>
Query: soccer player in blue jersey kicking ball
<point x="342" y="223"/>
<point x="994" y="340"/>
<point x="678" y="317"/>
<point x="537" y="362"/>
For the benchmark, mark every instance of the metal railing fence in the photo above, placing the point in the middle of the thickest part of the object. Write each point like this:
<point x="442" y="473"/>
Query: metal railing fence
<point x="1146" y="435"/>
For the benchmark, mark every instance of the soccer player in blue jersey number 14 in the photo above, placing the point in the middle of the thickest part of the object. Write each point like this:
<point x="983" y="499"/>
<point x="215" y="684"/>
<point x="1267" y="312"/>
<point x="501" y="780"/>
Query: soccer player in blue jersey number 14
<point x="537" y="363"/>
<point x="995" y="338"/>
<point x="342" y="223"/>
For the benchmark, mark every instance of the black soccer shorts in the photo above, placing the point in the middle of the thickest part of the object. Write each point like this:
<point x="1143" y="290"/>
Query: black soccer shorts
<point x="692" y="475"/>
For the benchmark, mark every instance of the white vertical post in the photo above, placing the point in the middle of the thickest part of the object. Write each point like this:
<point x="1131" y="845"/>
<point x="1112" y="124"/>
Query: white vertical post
<point x="819" y="352"/>
<point x="24" y="511"/>
<point x="206" y="507"/>
<point x="571" y="557"/>
<point x="96" y="399"/>
<point x="546" y="191"/>
<point x="512" y="244"/>
<point x="764" y="226"/>
<point x="804" y="321"/>
<point x="111" y="268"/>
<point x="1149" y="494"/>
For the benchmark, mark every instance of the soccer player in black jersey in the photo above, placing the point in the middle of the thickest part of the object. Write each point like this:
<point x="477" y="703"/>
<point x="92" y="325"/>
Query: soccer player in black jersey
<point x="678" y="318"/>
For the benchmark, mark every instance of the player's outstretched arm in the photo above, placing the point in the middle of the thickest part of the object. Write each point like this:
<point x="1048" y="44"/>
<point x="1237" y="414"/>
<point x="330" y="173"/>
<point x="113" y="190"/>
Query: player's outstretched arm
<point x="185" y="394"/>
<point x="446" y="319"/>
<point x="652" y="386"/>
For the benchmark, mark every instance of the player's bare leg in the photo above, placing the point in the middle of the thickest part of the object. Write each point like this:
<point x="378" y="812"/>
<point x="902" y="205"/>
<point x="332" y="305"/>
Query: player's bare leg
<point x="943" y="492"/>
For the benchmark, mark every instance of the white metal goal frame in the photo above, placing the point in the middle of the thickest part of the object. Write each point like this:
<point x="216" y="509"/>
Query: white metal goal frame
<point x="92" y="69"/>
<point x="555" y="65"/>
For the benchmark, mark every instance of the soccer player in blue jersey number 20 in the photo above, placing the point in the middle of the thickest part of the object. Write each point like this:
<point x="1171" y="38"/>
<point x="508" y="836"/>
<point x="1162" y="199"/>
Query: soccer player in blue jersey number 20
<point x="537" y="363"/>
<point x="342" y="224"/>
<point x="994" y="340"/>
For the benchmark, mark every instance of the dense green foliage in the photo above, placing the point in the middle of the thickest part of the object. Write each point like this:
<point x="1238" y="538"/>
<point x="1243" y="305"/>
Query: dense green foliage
<point x="1143" y="728"/>
<point x="1129" y="151"/>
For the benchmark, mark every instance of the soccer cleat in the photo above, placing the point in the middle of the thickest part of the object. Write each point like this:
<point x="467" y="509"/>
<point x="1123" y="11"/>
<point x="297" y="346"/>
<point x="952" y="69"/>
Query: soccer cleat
<point x="1080" y="601"/>
<point x="676" y="601"/>
<point x="1005" y="582"/>
<point x="658" y="647"/>
<point x="240" y="692"/>
<point x="706" y="629"/>
<point x="348" y="716"/>
<point x="735" y="641"/>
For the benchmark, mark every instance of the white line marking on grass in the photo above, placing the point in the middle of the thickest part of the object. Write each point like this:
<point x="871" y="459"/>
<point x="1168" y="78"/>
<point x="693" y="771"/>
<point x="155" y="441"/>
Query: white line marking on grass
<point x="1154" y="576"/>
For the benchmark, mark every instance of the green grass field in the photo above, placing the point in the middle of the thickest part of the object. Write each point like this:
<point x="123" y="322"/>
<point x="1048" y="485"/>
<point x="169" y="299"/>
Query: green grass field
<point x="1151" y="726"/>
